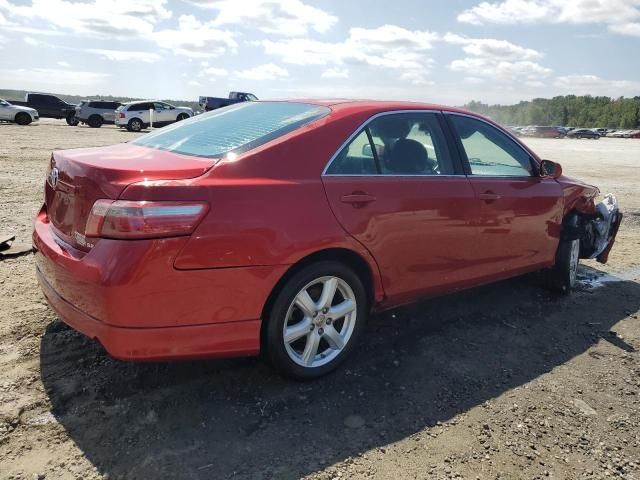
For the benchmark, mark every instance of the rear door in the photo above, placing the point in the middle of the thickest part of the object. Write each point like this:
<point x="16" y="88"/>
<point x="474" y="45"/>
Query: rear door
<point x="519" y="214"/>
<point x="395" y="188"/>
<point x="140" y="110"/>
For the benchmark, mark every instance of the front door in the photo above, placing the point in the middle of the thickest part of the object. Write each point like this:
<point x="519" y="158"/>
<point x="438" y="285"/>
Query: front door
<point x="519" y="214"/>
<point x="396" y="189"/>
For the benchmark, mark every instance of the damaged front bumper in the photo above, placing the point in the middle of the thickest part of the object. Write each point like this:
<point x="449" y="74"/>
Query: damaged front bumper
<point x="601" y="230"/>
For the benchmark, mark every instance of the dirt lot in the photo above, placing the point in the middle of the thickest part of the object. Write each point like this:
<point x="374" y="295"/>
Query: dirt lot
<point x="504" y="381"/>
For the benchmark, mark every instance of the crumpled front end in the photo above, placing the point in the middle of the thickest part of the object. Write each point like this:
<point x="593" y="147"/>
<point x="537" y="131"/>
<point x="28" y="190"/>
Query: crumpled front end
<point x="599" y="229"/>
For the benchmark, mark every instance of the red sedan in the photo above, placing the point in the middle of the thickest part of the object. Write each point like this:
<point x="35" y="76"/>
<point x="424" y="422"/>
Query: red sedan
<point x="279" y="226"/>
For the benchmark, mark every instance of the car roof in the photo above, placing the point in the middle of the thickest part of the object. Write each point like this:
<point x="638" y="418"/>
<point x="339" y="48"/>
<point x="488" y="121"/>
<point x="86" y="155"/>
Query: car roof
<point x="372" y="107"/>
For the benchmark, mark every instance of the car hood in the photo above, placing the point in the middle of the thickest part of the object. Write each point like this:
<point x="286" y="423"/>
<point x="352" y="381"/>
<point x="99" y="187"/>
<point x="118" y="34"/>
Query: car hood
<point x="23" y="109"/>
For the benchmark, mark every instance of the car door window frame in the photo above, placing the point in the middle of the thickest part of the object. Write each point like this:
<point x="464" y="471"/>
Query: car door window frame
<point x="462" y="153"/>
<point x="448" y="145"/>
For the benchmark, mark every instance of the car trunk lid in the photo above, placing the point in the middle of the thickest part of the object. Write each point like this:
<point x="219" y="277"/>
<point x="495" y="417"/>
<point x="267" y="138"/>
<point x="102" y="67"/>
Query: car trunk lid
<point x="79" y="177"/>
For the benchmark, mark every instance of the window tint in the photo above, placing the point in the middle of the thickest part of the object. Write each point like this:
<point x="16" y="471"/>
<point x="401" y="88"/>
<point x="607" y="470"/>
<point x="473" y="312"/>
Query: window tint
<point x="160" y="106"/>
<point x="140" y="106"/>
<point x="403" y="144"/>
<point x="489" y="151"/>
<point x="237" y="128"/>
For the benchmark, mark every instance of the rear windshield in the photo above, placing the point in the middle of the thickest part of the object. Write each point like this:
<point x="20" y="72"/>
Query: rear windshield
<point x="237" y="128"/>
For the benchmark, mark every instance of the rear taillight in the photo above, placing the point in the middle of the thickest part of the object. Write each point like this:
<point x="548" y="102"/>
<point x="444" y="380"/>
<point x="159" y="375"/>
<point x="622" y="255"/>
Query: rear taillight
<point x="125" y="219"/>
<point x="122" y="115"/>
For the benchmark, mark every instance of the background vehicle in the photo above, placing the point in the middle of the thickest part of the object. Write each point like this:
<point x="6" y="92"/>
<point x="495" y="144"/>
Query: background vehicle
<point x="134" y="116"/>
<point x="96" y="112"/>
<point x="212" y="103"/>
<point x="16" y="113"/>
<point x="189" y="239"/>
<point x="583" y="133"/>
<point x="543" y="132"/>
<point x="49" y="106"/>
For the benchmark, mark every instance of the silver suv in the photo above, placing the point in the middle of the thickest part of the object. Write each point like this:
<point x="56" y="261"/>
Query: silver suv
<point x="134" y="116"/>
<point x="97" y="112"/>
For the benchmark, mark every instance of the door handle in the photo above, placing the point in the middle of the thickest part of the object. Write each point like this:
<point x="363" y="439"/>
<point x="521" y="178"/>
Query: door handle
<point x="358" y="199"/>
<point x="489" y="196"/>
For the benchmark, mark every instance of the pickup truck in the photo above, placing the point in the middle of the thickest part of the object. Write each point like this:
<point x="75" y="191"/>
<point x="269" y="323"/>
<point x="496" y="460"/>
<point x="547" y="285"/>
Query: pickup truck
<point x="49" y="106"/>
<point x="212" y="103"/>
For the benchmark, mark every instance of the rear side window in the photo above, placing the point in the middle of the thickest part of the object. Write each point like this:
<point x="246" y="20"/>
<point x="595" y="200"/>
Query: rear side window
<point x="237" y="128"/>
<point x="405" y="144"/>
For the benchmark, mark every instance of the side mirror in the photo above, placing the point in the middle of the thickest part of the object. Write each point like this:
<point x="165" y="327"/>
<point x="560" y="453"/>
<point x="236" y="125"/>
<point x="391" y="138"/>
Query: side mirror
<point x="367" y="151"/>
<point x="549" y="169"/>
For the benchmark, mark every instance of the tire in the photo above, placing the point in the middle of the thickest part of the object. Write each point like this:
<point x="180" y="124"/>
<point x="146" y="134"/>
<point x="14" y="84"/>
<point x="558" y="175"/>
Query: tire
<point x="332" y="336"/>
<point x="23" y="118"/>
<point x="95" y="121"/>
<point x="135" y="125"/>
<point x="72" y="120"/>
<point x="182" y="116"/>
<point x="562" y="277"/>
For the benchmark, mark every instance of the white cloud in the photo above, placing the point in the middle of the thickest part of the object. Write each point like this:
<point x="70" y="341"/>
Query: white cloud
<point x="194" y="83"/>
<point x="621" y="16"/>
<point x="215" y="72"/>
<point x="387" y="47"/>
<point x="268" y="71"/>
<point x="335" y="73"/>
<point x="101" y="18"/>
<point x="195" y="39"/>
<point x="125" y="55"/>
<point x="498" y="60"/>
<point x="491" y="47"/>
<point x="63" y="64"/>
<point x="592" y="84"/>
<point x="279" y="17"/>
<point x="52" y="79"/>
<point x="31" y="41"/>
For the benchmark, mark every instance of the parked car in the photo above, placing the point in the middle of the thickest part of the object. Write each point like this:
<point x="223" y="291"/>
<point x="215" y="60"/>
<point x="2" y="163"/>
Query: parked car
<point x="543" y="132"/>
<point x="49" y="106"/>
<point x="583" y="133"/>
<point x="16" y="113"/>
<point x="634" y="134"/>
<point x="278" y="226"/>
<point x="212" y="103"/>
<point x="95" y="113"/>
<point x="135" y="116"/>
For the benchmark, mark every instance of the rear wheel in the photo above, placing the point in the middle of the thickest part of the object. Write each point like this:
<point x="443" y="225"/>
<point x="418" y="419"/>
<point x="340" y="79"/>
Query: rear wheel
<point x="23" y="118"/>
<point x="95" y="121"/>
<point x="134" y="125"/>
<point x="72" y="120"/>
<point x="315" y="320"/>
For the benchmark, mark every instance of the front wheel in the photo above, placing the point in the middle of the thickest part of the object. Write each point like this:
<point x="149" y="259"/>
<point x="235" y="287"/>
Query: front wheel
<point x="72" y="120"/>
<point x="563" y="276"/>
<point x="182" y="116"/>
<point x="315" y="320"/>
<point x="95" y="121"/>
<point x="23" y="118"/>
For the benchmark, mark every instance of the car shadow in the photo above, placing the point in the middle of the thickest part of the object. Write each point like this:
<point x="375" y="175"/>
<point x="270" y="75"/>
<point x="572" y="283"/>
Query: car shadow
<point x="415" y="367"/>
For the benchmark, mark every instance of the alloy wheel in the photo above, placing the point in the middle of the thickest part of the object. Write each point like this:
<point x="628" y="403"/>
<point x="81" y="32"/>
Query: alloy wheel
<point x="320" y="322"/>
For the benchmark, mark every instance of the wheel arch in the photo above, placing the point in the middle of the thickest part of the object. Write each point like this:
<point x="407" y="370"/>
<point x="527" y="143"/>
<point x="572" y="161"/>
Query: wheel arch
<point x="360" y="265"/>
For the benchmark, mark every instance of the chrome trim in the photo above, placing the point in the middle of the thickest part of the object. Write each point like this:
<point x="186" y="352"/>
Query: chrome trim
<point x="357" y="132"/>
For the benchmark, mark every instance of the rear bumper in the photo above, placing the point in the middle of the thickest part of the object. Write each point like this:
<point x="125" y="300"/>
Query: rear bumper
<point x="129" y="297"/>
<point x="170" y="343"/>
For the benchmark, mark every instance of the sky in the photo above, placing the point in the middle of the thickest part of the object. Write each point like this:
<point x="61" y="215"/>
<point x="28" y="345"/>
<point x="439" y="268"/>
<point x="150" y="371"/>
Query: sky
<point x="440" y="51"/>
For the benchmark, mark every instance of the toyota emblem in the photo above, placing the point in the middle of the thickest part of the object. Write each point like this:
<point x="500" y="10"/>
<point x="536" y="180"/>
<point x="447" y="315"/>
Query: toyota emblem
<point x="53" y="177"/>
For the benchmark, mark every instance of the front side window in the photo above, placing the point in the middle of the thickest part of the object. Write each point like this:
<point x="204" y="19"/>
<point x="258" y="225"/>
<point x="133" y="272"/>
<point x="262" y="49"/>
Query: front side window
<point x="396" y="144"/>
<point x="237" y="128"/>
<point x="489" y="151"/>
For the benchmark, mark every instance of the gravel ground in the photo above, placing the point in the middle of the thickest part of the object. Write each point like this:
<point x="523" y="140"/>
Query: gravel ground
<point x="503" y="381"/>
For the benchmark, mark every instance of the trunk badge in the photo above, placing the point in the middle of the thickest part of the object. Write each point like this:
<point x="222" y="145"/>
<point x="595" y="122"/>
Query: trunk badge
<point x="54" y="174"/>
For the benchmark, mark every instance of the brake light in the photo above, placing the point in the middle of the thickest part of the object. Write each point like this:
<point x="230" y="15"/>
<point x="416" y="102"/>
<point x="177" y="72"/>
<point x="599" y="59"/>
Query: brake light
<point x="122" y="115"/>
<point x="125" y="219"/>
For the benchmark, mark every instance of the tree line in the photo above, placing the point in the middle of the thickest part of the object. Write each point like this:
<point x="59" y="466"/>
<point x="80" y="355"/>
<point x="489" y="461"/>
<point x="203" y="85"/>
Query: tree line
<point x="566" y="111"/>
